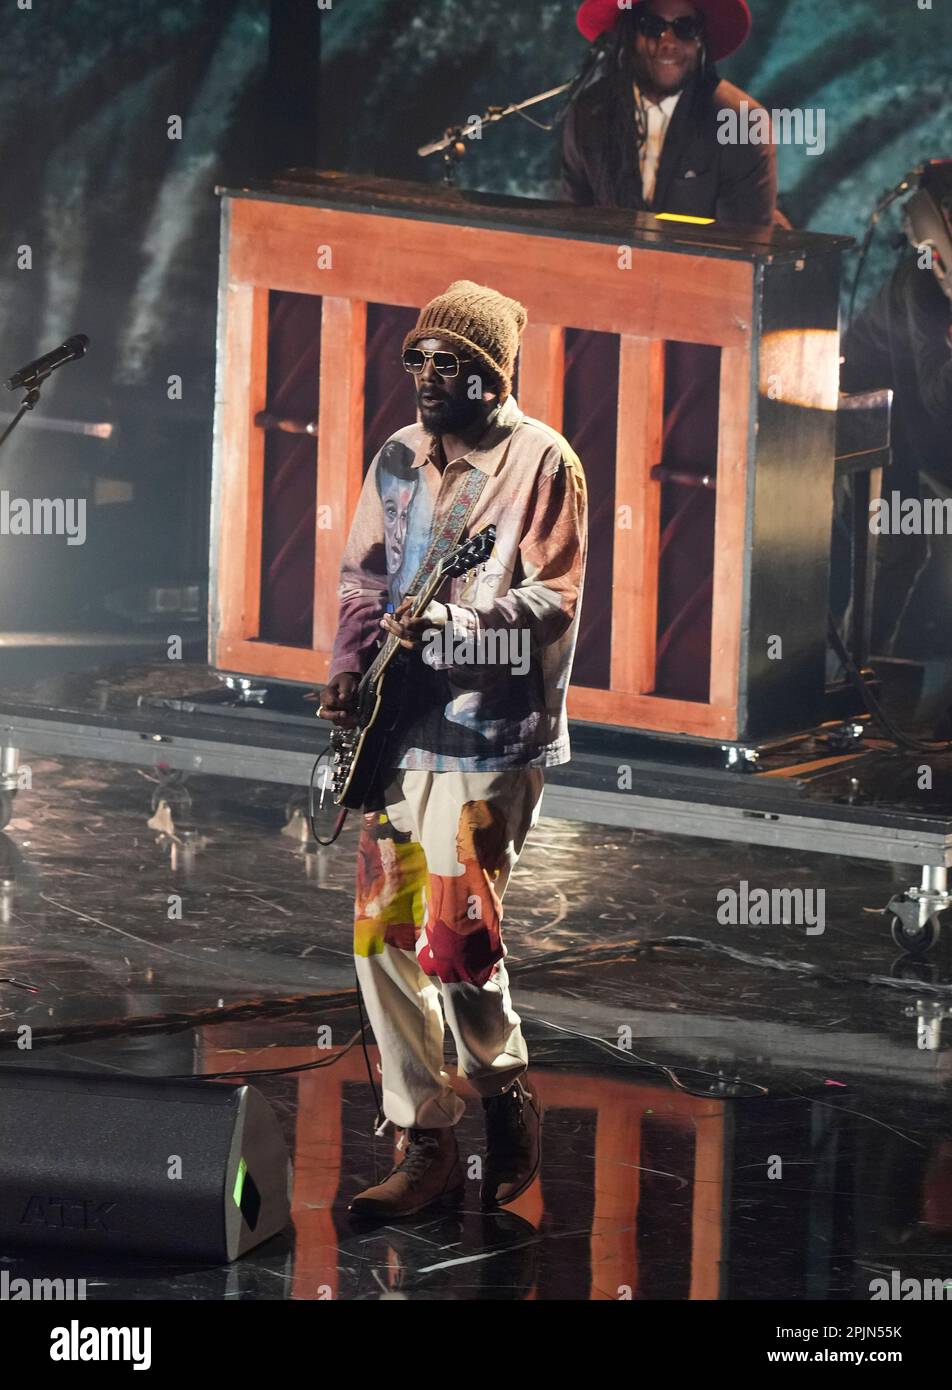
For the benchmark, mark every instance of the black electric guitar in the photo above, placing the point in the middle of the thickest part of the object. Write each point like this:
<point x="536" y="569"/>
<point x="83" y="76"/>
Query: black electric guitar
<point x="358" y="752"/>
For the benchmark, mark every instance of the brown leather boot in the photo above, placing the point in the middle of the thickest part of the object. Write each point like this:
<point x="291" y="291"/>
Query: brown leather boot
<point x="513" y="1143"/>
<point x="429" y="1173"/>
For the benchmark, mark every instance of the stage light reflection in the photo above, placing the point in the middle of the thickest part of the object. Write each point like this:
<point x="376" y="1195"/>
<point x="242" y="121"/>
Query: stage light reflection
<point x="801" y="367"/>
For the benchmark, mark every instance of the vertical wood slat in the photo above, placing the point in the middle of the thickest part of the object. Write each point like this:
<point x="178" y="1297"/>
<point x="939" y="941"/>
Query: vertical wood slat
<point x="317" y="1155"/>
<point x="542" y="373"/>
<point x="729" y="529"/>
<point x="340" y="450"/>
<point x="614" y="1250"/>
<point x="635" y="564"/>
<point x="242" y="497"/>
<point x="620" y="1108"/>
<point x="707" y="1208"/>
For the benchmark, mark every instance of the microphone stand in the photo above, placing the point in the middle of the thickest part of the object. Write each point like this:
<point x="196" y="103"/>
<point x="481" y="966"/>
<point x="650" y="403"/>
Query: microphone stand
<point x="886" y="200"/>
<point x="452" y="142"/>
<point x="29" y="402"/>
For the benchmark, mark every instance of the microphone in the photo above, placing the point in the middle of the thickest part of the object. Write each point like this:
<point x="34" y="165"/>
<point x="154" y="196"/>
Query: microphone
<point x="38" y="370"/>
<point x="903" y="186"/>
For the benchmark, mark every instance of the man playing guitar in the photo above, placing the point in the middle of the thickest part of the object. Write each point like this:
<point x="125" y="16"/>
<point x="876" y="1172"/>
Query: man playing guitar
<point x="464" y="770"/>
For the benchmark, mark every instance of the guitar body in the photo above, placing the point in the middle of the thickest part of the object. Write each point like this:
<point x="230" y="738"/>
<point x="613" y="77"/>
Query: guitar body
<point x="359" y="752"/>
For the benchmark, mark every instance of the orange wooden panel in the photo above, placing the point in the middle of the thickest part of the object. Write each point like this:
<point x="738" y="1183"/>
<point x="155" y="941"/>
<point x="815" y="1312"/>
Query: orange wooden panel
<point x="652" y="712"/>
<point x="542" y="373"/>
<point x="317" y="1165"/>
<point x="530" y="1206"/>
<point x="396" y="260"/>
<point x="244" y="388"/>
<point x="729" y="524"/>
<point x="620" y="1108"/>
<point x="340" y="452"/>
<point x="617" y="1193"/>
<point x="267" y="659"/>
<point x="707" y="1216"/>
<point x="635" y="565"/>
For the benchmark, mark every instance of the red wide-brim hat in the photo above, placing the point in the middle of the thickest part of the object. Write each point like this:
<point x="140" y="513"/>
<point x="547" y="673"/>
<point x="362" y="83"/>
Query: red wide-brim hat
<point x="726" y="22"/>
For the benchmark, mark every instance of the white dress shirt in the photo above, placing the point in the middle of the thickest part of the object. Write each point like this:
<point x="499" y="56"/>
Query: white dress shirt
<point x="658" y="116"/>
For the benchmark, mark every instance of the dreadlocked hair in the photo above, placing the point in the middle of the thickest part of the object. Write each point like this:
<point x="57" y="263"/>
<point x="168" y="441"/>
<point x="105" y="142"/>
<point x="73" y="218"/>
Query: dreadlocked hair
<point x="624" y="123"/>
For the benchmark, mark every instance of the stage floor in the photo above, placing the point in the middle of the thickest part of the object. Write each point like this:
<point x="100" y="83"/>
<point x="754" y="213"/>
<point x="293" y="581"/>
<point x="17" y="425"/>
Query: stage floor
<point x="646" y="1191"/>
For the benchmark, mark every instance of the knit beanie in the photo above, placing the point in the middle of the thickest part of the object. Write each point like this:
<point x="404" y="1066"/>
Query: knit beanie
<point x="480" y="320"/>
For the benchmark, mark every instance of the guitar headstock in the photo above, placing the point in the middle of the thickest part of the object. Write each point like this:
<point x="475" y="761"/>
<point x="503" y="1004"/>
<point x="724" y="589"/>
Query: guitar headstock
<point x="475" y="551"/>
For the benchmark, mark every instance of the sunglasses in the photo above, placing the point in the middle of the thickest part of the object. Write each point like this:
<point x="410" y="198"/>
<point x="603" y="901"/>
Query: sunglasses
<point x="445" y="363"/>
<point x="686" y="27"/>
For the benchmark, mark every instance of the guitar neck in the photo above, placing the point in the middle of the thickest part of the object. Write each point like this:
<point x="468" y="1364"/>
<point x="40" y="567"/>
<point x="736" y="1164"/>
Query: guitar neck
<point x="392" y="644"/>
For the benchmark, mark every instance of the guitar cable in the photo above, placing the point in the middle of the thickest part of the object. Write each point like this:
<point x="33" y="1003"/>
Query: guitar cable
<point x="342" y="817"/>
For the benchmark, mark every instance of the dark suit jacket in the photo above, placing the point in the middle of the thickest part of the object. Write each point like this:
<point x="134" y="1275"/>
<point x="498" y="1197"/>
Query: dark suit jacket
<point x="697" y="175"/>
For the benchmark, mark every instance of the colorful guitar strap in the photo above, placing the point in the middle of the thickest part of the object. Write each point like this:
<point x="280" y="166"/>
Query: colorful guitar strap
<point x="452" y="526"/>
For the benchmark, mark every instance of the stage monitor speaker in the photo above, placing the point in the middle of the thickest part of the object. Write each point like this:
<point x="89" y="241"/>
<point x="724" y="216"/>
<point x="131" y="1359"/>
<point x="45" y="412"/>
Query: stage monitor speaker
<point x="190" y="1170"/>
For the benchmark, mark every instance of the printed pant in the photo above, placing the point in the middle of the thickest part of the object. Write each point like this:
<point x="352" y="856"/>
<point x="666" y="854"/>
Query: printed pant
<point x="432" y="867"/>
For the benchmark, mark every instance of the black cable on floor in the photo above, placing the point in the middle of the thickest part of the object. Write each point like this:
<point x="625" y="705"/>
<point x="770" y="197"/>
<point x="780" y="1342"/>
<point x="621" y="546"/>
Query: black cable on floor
<point x="804" y="967"/>
<point x="725" y="1090"/>
<point x="270" y="1071"/>
<point x="601" y="955"/>
<point x="872" y="704"/>
<point x="378" y="1122"/>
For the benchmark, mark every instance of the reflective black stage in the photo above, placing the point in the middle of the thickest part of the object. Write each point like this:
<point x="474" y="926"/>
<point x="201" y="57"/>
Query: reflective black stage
<point x="840" y="1174"/>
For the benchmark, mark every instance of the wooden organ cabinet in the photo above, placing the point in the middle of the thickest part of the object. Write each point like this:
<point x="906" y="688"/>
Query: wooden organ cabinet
<point x="692" y="367"/>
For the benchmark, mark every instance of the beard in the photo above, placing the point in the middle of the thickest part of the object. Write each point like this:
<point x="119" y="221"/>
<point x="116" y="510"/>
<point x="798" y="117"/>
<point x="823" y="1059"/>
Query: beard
<point x="659" y="83"/>
<point x="454" y="415"/>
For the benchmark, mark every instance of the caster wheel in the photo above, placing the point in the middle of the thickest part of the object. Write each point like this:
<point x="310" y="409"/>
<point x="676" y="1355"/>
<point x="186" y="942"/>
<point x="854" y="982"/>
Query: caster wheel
<point x="906" y="930"/>
<point x="6" y="808"/>
<point x="914" y="969"/>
